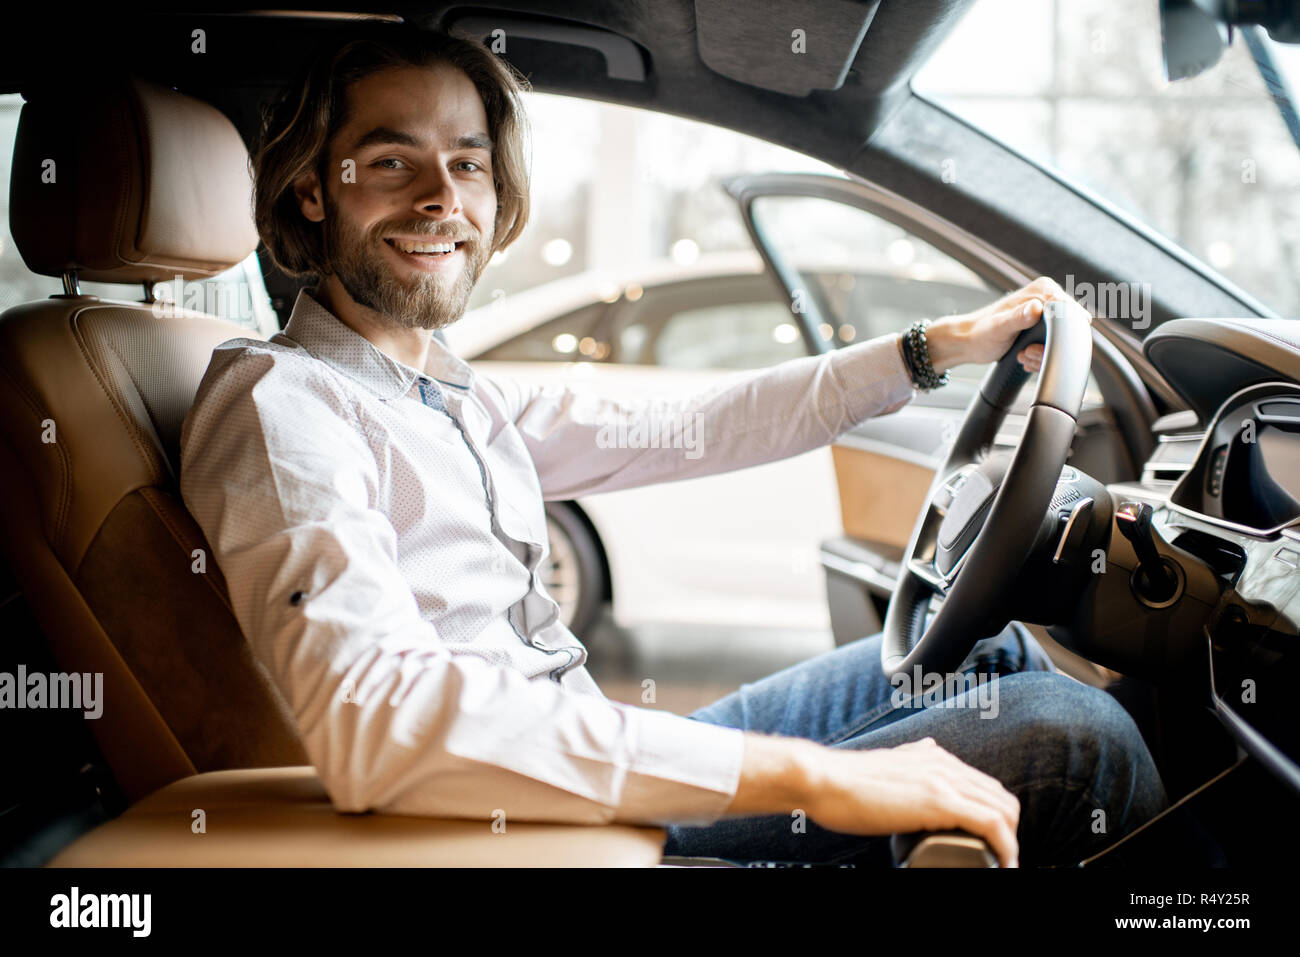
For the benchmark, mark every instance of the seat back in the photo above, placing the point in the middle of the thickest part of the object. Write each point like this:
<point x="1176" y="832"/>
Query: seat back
<point x="149" y="184"/>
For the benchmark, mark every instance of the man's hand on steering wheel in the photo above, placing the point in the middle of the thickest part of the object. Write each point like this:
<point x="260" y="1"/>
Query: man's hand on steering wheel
<point x="986" y="510"/>
<point x="984" y="335"/>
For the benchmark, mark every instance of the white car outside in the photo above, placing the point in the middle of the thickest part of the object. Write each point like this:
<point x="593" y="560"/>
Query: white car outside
<point x="738" y="549"/>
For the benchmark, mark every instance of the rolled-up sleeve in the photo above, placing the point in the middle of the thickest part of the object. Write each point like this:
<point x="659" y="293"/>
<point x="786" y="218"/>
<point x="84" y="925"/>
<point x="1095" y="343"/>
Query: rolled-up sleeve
<point x="277" y="471"/>
<point x="584" y="443"/>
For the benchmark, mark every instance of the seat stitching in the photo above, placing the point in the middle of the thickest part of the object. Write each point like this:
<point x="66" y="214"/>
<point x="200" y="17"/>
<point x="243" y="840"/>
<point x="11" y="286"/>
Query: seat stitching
<point x="65" y="496"/>
<point x="79" y="338"/>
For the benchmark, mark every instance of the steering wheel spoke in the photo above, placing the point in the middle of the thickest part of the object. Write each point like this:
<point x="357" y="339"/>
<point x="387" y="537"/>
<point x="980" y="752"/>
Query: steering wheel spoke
<point x="922" y="562"/>
<point x="938" y="582"/>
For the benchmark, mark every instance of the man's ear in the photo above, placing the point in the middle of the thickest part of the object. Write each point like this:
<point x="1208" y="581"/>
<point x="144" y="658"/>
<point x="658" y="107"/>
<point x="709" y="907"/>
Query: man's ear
<point x="307" y="190"/>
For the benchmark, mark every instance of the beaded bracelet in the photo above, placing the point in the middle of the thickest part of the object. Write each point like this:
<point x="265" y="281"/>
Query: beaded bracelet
<point x="916" y="353"/>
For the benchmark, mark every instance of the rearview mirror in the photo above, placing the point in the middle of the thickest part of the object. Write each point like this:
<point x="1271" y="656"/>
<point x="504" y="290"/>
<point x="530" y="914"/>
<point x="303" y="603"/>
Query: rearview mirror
<point x="1191" y="38"/>
<point x="1194" y="33"/>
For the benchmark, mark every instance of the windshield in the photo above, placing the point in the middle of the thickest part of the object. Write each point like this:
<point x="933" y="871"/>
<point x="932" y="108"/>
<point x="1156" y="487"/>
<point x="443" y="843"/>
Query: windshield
<point x="1207" y="161"/>
<point x="1279" y="66"/>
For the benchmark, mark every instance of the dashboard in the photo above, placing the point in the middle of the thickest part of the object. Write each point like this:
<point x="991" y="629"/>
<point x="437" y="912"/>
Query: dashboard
<point x="1226" y="494"/>
<point x="1251" y="638"/>
<point x="1247" y="470"/>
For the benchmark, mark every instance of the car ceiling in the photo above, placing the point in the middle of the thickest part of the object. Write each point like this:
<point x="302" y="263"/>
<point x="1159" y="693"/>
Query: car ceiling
<point x="714" y="60"/>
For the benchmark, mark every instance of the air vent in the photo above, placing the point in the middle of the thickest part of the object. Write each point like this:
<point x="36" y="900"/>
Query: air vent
<point x="1174" y="454"/>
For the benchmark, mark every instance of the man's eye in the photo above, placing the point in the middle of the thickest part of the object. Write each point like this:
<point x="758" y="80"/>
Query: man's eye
<point x="473" y="166"/>
<point x="383" y="163"/>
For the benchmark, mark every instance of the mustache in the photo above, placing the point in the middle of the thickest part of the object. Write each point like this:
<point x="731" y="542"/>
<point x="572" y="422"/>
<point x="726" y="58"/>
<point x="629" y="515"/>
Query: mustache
<point x="450" y="232"/>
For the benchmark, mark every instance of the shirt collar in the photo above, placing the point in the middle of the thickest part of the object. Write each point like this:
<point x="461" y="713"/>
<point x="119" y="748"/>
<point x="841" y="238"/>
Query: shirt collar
<point x="328" y="338"/>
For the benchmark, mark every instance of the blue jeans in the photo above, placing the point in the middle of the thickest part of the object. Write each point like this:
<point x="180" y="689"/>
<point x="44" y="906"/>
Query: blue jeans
<point x="1068" y="751"/>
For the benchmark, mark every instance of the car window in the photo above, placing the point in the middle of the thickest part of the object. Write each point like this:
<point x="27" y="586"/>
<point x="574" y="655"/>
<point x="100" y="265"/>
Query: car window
<point x="870" y="277"/>
<point x="732" y="336"/>
<point x="238" y="294"/>
<point x="867" y="276"/>
<point x="870" y="304"/>
<point x="721" y="322"/>
<point x="568" y="338"/>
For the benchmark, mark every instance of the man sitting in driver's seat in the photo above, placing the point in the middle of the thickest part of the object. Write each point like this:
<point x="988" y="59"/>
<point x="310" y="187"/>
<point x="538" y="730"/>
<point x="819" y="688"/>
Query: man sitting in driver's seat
<point x="376" y="507"/>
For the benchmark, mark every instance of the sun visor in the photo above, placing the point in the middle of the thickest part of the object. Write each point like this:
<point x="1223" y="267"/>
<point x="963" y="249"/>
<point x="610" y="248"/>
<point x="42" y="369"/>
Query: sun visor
<point x="787" y="48"/>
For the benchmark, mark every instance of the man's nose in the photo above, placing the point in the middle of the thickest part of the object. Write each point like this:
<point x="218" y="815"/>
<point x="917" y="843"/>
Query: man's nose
<point x="436" y="193"/>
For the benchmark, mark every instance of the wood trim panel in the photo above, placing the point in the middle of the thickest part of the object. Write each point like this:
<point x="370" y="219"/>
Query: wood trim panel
<point x="880" y="496"/>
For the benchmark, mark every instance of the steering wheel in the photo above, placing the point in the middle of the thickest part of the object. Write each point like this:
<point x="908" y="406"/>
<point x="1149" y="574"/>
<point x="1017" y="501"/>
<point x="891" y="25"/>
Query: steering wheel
<point x="983" y="512"/>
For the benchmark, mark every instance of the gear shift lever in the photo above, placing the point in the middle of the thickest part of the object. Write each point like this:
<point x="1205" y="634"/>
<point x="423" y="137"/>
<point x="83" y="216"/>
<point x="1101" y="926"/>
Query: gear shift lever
<point x="955" y="848"/>
<point x="1155" y="581"/>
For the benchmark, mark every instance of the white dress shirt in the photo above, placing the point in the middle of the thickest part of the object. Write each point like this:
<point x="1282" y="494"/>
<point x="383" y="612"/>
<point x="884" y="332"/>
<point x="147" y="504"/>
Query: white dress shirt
<point x="381" y="528"/>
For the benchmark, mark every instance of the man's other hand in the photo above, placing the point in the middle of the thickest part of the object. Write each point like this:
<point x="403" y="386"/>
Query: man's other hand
<point x="914" y="787"/>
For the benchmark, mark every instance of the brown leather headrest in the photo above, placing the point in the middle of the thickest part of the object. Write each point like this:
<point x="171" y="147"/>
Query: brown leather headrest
<point x="129" y="182"/>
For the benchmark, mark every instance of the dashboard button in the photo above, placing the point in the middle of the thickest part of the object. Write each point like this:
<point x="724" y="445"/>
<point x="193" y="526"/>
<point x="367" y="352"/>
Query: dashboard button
<point x="1214" y="479"/>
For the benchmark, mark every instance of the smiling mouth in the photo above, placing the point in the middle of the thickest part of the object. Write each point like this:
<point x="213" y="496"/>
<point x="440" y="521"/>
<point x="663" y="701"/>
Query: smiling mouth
<point x="427" y="248"/>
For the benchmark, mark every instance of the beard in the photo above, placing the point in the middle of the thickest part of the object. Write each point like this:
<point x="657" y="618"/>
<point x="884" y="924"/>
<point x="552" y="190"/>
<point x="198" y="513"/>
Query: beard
<point x="419" y="301"/>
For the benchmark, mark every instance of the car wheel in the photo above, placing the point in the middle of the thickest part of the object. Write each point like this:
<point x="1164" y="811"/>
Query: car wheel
<point x="575" y="571"/>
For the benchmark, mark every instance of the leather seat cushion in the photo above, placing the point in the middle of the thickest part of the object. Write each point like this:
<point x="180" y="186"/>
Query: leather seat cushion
<point x="282" y="817"/>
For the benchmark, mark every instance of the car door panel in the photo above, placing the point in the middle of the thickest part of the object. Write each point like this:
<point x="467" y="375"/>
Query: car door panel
<point x="880" y="494"/>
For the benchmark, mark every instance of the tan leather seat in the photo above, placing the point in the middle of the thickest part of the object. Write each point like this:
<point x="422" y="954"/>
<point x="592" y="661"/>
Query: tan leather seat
<point x="148" y="184"/>
<point x="281" y="817"/>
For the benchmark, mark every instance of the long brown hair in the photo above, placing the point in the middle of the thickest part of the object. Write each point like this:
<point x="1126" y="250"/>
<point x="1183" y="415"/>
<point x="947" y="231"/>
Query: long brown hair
<point x="298" y="127"/>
